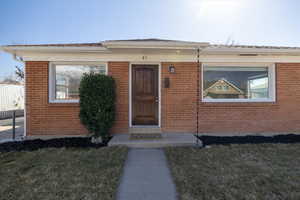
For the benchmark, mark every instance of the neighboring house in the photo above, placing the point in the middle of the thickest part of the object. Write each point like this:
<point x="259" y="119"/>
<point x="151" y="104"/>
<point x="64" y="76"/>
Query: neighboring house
<point x="223" y="89"/>
<point x="257" y="87"/>
<point x="11" y="97"/>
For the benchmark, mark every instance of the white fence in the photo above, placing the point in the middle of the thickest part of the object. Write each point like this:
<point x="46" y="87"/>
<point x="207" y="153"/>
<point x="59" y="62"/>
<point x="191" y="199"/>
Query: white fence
<point x="11" y="98"/>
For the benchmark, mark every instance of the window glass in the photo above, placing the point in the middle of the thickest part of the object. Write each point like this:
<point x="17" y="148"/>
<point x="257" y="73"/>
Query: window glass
<point x="67" y="79"/>
<point x="235" y="82"/>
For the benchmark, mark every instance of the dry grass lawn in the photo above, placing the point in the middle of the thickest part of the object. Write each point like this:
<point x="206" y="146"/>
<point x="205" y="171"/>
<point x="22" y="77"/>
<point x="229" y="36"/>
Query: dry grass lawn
<point x="237" y="172"/>
<point x="57" y="174"/>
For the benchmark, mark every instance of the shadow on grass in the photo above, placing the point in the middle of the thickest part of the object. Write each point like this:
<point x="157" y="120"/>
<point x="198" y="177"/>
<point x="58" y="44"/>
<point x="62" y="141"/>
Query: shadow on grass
<point x="61" y="173"/>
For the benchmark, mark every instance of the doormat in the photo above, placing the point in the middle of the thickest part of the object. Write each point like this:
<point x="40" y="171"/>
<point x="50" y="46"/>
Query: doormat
<point x="145" y="136"/>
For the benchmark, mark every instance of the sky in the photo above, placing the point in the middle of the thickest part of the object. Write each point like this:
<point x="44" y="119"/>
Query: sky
<point x="255" y="22"/>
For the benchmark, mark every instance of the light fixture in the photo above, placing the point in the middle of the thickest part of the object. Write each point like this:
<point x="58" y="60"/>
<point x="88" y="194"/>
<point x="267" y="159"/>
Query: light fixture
<point x="172" y="69"/>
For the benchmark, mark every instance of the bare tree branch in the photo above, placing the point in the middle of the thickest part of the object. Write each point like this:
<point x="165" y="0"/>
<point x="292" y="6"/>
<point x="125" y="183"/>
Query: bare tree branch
<point x="19" y="73"/>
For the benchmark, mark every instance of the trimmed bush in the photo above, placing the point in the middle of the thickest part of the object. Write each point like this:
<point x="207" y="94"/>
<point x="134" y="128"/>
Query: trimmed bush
<point x="97" y="103"/>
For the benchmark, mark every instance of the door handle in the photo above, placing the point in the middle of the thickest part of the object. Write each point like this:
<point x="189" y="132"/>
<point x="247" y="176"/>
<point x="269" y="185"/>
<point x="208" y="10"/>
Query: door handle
<point x="156" y="99"/>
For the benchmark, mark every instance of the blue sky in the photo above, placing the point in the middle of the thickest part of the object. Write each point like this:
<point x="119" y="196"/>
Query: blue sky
<point x="260" y="22"/>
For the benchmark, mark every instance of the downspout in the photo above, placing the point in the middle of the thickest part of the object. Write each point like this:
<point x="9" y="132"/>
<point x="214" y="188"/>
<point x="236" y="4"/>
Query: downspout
<point x="198" y="96"/>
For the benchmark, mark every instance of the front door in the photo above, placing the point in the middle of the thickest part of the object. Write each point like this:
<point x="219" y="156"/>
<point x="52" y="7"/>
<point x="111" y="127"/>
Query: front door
<point x="145" y="95"/>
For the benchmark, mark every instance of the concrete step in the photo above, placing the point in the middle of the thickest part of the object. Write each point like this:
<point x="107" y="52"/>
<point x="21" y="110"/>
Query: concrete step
<point x="168" y="139"/>
<point x="144" y="130"/>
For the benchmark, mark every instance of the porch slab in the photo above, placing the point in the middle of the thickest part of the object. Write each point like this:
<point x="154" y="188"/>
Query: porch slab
<point x="168" y="139"/>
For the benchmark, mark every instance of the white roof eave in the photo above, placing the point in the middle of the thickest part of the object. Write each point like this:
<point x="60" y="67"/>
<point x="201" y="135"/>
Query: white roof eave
<point x="108" y="48"/>
<point x="14" y="49"/>
<point x="237" y="50"/>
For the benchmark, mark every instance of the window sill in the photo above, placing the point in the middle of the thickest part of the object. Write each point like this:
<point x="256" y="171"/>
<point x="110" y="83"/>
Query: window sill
<point x="63" y="103"/>
<point x="269" y="103"/>
<point x="238" y="101"/>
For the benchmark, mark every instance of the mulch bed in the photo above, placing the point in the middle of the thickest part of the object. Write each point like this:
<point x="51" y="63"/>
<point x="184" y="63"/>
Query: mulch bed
<point x="227" y="140"/>
<point x="31" y="145"/>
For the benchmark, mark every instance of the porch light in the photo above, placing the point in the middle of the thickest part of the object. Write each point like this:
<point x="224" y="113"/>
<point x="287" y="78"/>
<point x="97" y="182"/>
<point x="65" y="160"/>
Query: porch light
<point x="172" y="69"/>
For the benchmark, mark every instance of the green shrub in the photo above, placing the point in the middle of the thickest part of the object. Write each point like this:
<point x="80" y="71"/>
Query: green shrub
<point x="97" y="103"/>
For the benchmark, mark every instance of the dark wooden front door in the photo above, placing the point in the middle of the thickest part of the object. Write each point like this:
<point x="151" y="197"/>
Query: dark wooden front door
<point x="144" y="95"/>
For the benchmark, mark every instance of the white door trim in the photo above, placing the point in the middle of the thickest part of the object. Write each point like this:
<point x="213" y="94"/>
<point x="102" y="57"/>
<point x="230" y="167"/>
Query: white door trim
<point x="130" y="92"/>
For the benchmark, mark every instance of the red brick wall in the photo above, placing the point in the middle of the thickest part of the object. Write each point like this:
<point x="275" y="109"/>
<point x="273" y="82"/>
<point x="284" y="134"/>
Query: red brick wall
<point x="281" y="116"/>
<point x="120" y="70"/>
<point x="178" y="104"/>
<point x="46" y="119"/>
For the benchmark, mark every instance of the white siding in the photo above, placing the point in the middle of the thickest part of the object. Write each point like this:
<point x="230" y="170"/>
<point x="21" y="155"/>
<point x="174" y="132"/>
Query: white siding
<point x="11" y="97"/>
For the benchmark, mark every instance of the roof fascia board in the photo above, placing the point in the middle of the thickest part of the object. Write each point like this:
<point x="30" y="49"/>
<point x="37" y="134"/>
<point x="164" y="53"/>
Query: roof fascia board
<point x="105" y="57"/>
<point x="12" y="49"/>
<point x="205" y="50"/>
<point x="248" y="50"/>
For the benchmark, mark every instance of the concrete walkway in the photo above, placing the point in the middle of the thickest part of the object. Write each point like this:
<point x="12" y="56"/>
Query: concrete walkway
<point x="6" y="129"/>
<point x="146" y="177"/>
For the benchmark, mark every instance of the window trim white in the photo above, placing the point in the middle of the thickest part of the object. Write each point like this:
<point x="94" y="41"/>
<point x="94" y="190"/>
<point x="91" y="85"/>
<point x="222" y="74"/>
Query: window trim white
<point x="51" y="79"/>
<point x="271" y="75"/>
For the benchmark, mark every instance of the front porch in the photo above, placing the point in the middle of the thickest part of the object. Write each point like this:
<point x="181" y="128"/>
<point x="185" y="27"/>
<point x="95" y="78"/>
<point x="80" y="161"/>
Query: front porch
<point x="166" y="139"/>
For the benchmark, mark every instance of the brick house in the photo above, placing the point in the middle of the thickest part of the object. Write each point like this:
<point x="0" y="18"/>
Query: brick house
<point x="161" y="84"/>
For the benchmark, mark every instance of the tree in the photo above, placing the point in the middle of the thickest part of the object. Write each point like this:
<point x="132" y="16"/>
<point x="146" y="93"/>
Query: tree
<point x="19" y="73"/>
<point x="9" y="79"/>
<point x="97" y="104"/>
<point x="15" y="78"/>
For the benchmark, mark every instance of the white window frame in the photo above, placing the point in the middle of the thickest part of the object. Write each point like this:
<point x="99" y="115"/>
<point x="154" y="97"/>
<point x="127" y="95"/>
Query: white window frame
<point x="51" y="81"/>
<point x="271" y="76"/>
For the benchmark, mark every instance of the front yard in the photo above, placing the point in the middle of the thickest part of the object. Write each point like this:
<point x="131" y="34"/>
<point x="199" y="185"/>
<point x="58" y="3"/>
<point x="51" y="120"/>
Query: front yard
<point x="250" y="172"/>
<point x="72" y="173"/>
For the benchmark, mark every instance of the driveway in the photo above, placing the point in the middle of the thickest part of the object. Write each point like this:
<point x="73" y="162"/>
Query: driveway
<point x="6" y="129"/>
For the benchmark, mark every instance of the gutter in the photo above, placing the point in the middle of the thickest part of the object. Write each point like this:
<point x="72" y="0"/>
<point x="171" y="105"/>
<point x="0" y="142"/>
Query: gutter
<point x="109" y="47"/>
<point x="231" y="50"/>
<point x="13" y="49"/>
